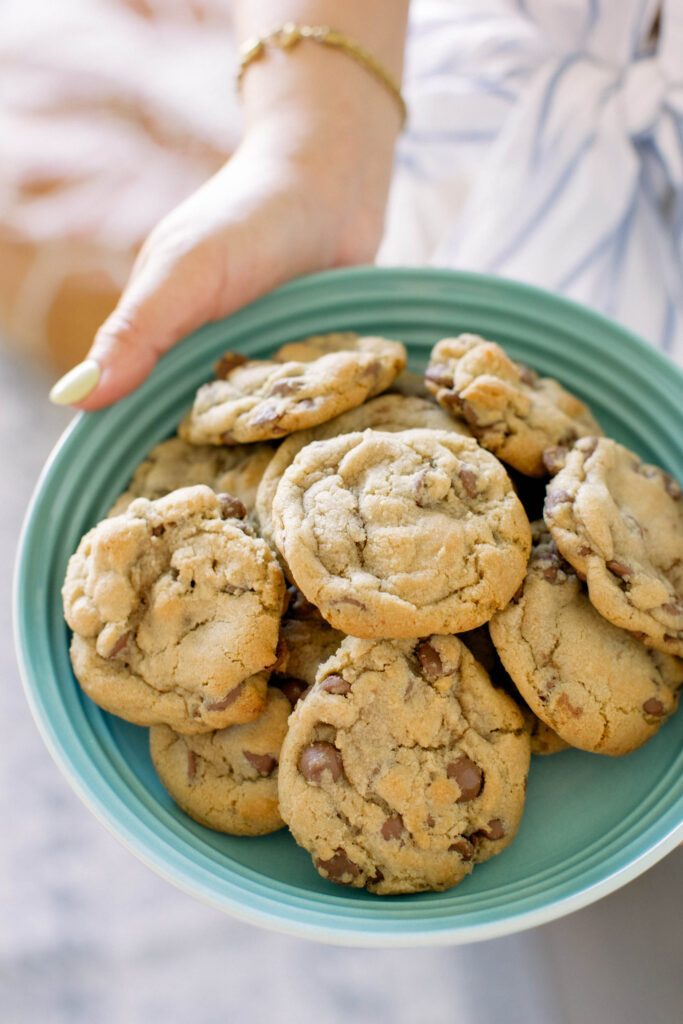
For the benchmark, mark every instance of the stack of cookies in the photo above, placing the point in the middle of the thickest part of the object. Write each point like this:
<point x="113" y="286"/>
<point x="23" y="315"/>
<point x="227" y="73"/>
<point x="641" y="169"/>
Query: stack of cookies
<point x="365" y="631"/>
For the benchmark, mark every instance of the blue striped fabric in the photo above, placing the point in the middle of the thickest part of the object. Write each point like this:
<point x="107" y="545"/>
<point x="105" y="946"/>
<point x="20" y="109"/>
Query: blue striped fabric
<point x="545" y="143"/>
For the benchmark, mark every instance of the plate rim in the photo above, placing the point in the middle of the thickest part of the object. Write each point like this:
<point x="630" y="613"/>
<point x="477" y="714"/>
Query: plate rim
<point x="166" y="861"/>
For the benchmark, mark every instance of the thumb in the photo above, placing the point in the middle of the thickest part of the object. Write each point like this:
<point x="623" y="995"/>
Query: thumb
<point x="161" y="304"/>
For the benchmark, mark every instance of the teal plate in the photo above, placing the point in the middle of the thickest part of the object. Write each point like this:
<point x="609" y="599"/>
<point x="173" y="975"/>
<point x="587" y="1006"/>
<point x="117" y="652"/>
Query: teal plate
<point x="591" y="823"/>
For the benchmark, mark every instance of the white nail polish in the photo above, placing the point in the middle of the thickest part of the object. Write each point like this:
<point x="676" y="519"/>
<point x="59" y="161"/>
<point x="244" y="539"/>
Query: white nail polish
<point x="77" y="384"/>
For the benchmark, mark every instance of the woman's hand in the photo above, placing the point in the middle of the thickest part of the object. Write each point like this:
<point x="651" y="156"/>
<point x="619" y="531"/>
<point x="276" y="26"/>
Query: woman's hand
<point x="305" y="191"/>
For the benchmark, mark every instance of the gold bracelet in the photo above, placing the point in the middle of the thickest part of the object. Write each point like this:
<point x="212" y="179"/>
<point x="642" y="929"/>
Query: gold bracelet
<point x="289" y="35"/>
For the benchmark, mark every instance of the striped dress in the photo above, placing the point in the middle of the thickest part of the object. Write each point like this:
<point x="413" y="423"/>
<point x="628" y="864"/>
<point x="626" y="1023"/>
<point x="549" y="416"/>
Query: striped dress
<point x="545" y="143"/>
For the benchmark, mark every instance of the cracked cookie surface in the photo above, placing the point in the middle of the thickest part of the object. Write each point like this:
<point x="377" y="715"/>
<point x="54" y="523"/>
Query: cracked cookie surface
<point x="510" y="409"/>
<point x="175" y="608"/>
<point x="397" y="535"/>
<point x="305" y="383"/>
<point x="175" y="463"/>
<point x="391" y="413"/>
<point x="227" y="779"/>
<point x="404" y="766"/>
<point x="619" y="522"/>
<point x="599" y="688"/>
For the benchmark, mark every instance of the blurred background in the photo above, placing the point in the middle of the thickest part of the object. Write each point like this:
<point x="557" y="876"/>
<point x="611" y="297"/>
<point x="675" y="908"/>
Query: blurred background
<point x="111" y="111"/>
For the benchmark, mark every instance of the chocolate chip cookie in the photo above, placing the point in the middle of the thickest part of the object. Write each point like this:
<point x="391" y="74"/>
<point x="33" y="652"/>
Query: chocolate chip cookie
<point x="390" y="413"/>
<point x="175" y="607"/>
<point x="175" y="463"/>
<point x="226" y="780"/>
<point x="404" y="766"/>
<point x="254" y="400"/>
<point x="307" y="641"/>
<point x="511" y="410"/>
<point x="393" y="535"/>
<point x="619" y="522"/>
<point x="593" y="683"/>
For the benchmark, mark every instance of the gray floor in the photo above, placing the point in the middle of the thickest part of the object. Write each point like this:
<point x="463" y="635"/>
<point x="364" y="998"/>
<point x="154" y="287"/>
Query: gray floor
<point x="90" y="936"/>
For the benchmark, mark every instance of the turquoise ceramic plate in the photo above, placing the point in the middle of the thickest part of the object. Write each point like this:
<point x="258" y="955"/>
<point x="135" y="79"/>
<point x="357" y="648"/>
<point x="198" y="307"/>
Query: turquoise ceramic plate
<point x="591" y="823"/>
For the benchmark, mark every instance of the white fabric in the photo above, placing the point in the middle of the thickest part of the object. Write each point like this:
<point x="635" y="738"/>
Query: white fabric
<point x="545" y="143"/>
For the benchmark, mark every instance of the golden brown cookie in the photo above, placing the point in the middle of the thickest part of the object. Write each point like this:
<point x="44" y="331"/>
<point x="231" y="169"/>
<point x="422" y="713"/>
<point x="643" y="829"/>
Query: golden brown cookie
<point x="175" y="463"/>
<point x="394" y="535"/>
<point x="254" y="400"/>
<point x="594" y="684"/>
<point x="619" y="522"/>
<point x="175" y="607"/>
<point x="392" y="413"/>
<point x="403" y="766"/>
<point x="511" y="410"/>
<point x="226" y="780"/>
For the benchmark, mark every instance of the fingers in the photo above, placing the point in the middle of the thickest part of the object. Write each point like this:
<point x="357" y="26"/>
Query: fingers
<point x="159" y="307"/>
<point x="258" y="222"/>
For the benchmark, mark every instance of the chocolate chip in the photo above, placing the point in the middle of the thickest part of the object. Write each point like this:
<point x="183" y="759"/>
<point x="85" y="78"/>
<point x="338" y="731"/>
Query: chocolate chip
<point x="227" y="438"/>
<point x="158" y="531"/>
<point x="495" y="830"/>
<point x="263" y="763"/>
<point x="526" y="374"/>
<point x="293" y="689"/>
<point x="574" y="710"/>
<point x="468" y="776"/>
<point x="373" y="369"/>
<point x="674" y="607"/>
<point x="470" y="414"/>
<point x="191" y="766"/>
<point x="227" y="364"/>
<point x="338" y="866"/>
<point x="619" y="569"/>
<point x="653" y="707"/>
<point x="672" y="487"/>
<point x="439" y="375"/>
<point x="319" y="758"/>
<point x="451" y="400"/>
<point x="430" y="662"/>
<point x="287" y="386"/>
<point x="230" y="698"/>
<point x="463" y="847"/>
<point x="335" y="684"/>
<point x="421" y="494"/>
<point x="588" y="445"/>
<point x="119" y="645"/>
<point x="267" y="415"/>
<point x="554" y="458"/>
<point x="430" y="821"/>
<point x="231" y="508"/>
<point x="585" y="550"/>
<point x="469" y="481"/>
<point x="639" y="635"/>
<point x="517" y="596"/>
<point x="393" y="827"/>
<point x="281" y="652"/>
<point x="349" y="600"/>
<point x="555" y="498"/>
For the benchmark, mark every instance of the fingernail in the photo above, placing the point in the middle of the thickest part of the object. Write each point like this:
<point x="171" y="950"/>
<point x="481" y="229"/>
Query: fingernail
<point x="77" y="384"/>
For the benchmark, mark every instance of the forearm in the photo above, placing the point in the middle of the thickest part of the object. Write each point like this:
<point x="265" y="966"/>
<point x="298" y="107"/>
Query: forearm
<point x="318" y="90"/>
